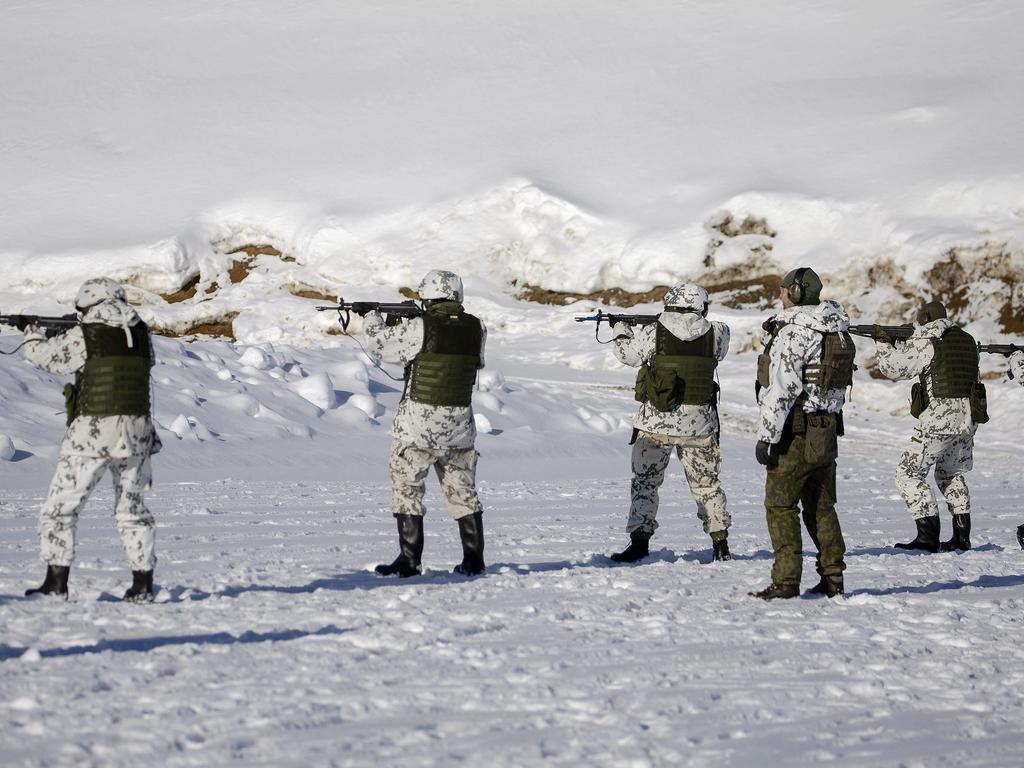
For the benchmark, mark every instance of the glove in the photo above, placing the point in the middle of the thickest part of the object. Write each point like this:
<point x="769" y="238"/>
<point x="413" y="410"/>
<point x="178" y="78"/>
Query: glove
<point x="880" y="335"/>
<point x="765" y="457"/>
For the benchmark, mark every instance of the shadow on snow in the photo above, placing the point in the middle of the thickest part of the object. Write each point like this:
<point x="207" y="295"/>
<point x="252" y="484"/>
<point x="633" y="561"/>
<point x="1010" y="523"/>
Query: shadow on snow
<point x="143" y="644"/>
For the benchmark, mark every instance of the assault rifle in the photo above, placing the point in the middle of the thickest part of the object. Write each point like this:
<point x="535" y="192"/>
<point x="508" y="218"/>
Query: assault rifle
<point x="393" y="311"/>
<point x="1001" y="349"/>
<point x="612" y="318"/>
<point x="52" y="326"/>
<point x="880" y="332"/>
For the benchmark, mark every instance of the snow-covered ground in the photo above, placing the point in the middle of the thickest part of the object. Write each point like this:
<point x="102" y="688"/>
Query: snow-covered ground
<point x="561" y="146"/>
<point x="273" y="643"/>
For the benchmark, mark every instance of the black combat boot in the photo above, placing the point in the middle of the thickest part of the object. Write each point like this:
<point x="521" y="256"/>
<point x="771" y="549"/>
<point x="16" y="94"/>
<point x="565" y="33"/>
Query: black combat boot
<point x="410" y="548"/>
<point x="54" y="583"/>
<point x="961" y="534"/>
<point x="721" y="551"/>
<point x="471" y="531"/>
<point x="830" y="586"/>
<point x="777" y="592"/>
<point x="927" y="535"/>
<point x="141" y="590"/>
<point x="638" y="548"/>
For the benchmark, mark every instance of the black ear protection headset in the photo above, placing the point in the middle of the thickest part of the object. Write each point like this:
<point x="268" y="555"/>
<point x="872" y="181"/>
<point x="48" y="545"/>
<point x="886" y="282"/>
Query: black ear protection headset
<point x="797" y="290"/>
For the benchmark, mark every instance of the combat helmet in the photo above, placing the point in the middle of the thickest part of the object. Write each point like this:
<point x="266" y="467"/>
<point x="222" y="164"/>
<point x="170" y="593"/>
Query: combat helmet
<point x="687" y="297"/>
<point x="440" y="285"/>
<point x="96" y="291"/>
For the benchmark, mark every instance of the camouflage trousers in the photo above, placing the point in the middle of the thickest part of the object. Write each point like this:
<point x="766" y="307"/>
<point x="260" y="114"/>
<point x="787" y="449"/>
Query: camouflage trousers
<point x="952" y="456"/>
<point x="701" y="458"/>
<point x="803" y="483"/>
<point x="74" y="480"/>
<point x="455" y="468"/>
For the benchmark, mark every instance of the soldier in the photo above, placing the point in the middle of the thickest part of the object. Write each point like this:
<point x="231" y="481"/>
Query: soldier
<point x="1017" y="373"/>
<point x="802" y="377"/>
<point x="434" y="426"/>
<point x="1017" y="367"/>
<point x="944" y="359"/>
<point x="680" y="353"/>
<point x="109" y="427"/>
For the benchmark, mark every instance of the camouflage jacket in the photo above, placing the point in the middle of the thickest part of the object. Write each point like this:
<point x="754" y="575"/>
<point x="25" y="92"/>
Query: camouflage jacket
<point x="908" y="360"/>
<point x="635" y="347"/>
<point x="428" y="426"/>
<point x="798" y="344"/>
<point x="114" y="437"/>
<point x="1017" y="367"/>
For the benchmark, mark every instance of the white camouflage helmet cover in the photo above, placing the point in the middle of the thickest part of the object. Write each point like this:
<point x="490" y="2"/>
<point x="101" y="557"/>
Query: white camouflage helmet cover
<point x="687" y="295"/>
<point x="440" y="284"/>
<point x="98" y="290"/>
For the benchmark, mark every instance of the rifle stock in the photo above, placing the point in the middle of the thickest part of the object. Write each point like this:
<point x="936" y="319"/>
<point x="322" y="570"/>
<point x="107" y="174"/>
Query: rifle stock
<point x="897" y="332"/>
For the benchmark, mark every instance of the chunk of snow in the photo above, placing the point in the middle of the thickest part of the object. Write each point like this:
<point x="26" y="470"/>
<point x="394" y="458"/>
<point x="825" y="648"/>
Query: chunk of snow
<point x="7" y="449"/>
<point x="255" y="357"/>
<point x="367" y="404"/>
<point x="488" y="380"/>
<point x="317" y="389"/>
<point x="483" y="424"/>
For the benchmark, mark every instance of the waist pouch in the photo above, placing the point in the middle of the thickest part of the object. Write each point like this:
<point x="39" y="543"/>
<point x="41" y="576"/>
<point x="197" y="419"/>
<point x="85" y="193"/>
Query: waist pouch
<point x="70" y="402"/>
<point x="820" y="444"/>
<point x="979" y="403"/>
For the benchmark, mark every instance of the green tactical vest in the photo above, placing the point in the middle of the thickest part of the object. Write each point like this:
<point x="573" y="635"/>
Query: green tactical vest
<point x="115" y="378"/>
<point x="833" y="371"/>
<point x="444" y="371"/>
<point x="953" y="372"/>
<point x="680" y="372"/>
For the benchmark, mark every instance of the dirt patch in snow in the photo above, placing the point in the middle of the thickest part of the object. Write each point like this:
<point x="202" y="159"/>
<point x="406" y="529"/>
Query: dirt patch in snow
<point x="252" y="251"/>
<point x="734" y="287"/>
<point x="308" y="292"/>
<point x="615" y="297"/>
<point x="981" y="280"/>
<point x="222" y="327"/>
<point x="184" y="293"/>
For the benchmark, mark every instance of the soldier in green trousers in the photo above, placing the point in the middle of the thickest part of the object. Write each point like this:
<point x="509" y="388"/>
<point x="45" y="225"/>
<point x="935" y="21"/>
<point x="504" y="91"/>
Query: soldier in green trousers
<point x="801" y="381"/>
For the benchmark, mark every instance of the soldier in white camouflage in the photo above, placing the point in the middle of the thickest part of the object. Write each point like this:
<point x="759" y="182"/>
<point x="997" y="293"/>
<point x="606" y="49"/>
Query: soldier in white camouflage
<point x="1017" y="367"/>
<point x="947" y="400"/>
<point x="109" y="428"/>
<point x="679" y="352"/>
<point x="434" y="426"/>
<point x="1017" y="374"/>
<point x="801" y="381"/>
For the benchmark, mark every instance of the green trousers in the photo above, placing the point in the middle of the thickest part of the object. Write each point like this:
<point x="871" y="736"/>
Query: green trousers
<point x="806" y="476"/>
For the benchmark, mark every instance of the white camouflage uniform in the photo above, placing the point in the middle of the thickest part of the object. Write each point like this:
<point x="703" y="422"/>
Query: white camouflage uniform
<point x="94" y="444"/>
<point x="425" y="436"/>
<point x="797" y="345"/>
<point x="690" y="431"/>
<point x="1017" y="367"/>
<point x="944" y="435"/>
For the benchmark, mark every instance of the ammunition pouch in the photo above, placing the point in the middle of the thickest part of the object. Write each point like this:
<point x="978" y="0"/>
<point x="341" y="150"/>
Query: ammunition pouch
<point x="918" y="399"/>
<point x="70" y="402"/>
<point x="979" y="404"/>
<point x="763" y="363"/>
<point x="660" y="386"/>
